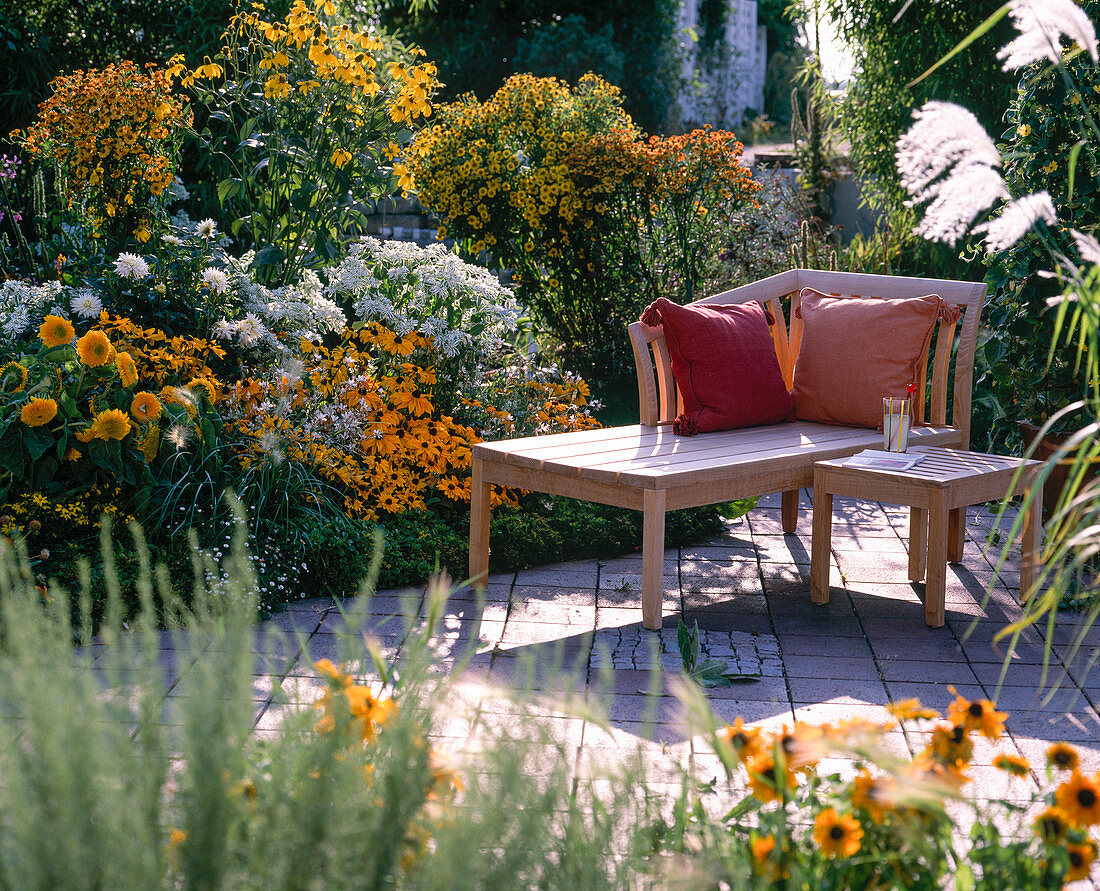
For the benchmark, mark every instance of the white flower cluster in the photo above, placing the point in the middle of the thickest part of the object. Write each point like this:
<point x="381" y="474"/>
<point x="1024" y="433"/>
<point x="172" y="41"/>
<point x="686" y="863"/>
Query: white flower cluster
<point x="23" y="306"/>
<point x="278" y="318"/>
<point x="949" y="162"/>
<point x="463" y="308"/>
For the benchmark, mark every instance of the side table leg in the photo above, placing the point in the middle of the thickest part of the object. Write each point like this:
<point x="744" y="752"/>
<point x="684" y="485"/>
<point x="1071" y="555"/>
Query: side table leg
<point x="1030" y="545"/>
<point x="935" y="585"/>
<point x="956" y="534"/>
<point x="653" y="557"/>
<point x="479" y="527"/>
<point x="918" y="545"/>
<point x="821" y="543"/>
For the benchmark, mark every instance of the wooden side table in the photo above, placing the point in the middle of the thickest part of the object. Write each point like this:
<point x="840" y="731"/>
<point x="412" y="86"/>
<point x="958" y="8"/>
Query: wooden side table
<point x="938" y="489"/>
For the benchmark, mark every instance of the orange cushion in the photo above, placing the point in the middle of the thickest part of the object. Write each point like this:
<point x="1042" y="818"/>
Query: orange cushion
<point x="854" y="351"/>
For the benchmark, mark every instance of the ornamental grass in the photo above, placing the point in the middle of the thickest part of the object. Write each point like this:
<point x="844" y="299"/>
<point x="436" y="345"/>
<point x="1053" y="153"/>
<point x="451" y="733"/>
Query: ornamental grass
<point x="108" y="781"/>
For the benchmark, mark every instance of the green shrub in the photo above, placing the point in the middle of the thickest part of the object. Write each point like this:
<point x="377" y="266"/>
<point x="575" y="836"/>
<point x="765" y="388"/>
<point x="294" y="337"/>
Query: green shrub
<point x="592" y="221"/>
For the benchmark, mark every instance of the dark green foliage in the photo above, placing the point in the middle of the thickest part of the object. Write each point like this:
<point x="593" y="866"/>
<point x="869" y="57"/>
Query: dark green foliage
<point x="479" y="43"/>
<point x="878" y="108"/>
<point x="544" y="530"/>
<point x="567" y="48"/>
<point x="1044" y="123"/>
<point x="890" y="54"/>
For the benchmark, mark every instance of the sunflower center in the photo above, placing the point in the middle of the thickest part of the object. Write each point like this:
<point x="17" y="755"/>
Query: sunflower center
<point x="1075" y="859"/>
<point x="836" y="833"/>
<point x="976" y="709"/>
<point x="957" y="735"/>
<point x="1086" y="798"/>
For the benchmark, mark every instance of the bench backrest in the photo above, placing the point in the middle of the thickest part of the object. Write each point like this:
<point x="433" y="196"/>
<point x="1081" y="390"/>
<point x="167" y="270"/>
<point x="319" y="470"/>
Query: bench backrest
<point x="954" y="343"/>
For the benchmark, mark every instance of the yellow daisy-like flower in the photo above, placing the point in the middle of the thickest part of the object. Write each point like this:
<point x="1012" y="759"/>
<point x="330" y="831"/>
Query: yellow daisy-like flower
<point x="910" y="710"/>
<point x="95" y="349"/>
<point x="1081" y="858"/>
<point x="745" y="740"/>
<point x="1063" y="756"/>
<point x="1052" y="825"/>
<point x="13" y="378"/>
<point x="951" y="744"/>
<point x="127" y="369"/>
<point x="1012" y="764"/>
<point x="145" y="407"/>
<point x="837" y="835"/>
<point x="56" y="331"/>
<point x="38" y="412"/>
<point x="980" y="715"/>
<point x="873" y="794"/>
<point x="110" y="424"/>
<point x="1079" y="797"/>
<point x="764" y="779"/>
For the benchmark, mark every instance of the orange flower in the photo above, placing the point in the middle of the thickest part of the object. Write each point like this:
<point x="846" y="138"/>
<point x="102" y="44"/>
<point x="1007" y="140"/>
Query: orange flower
<point x="980" y="715"/>
<point x="56" y="331"/>
<point x="1079" y="797"/>
<point x="1063" y="756"/>
<point x="836" y="835"/>
<point x="951" y="744"/>
<point x="1012" y="764"/>
<point x="95" y="349"/>
<point x="1081" y="858"/>
<point x="145" y="407"/>
<point x="911" y="709"/>
<point x="1052" y="825"/>
<point x="38" y="412"/>
<point x="764" y="780"/>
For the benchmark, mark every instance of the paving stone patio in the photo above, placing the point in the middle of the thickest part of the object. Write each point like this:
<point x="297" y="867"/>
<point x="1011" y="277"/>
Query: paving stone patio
<point x="748" y="589"/>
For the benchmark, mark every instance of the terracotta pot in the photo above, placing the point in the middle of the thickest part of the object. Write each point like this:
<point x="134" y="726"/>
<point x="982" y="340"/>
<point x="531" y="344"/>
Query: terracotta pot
<point x="1059" y="474"/>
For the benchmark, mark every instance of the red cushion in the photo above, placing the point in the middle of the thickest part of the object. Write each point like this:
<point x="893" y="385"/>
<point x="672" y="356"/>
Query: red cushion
<point x="725" y="365"/>
<point x="855" y="350"/>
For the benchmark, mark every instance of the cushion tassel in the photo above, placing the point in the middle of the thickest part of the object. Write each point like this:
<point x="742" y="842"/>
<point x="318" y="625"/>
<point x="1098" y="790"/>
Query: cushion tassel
<point x="685" y="425"/>
<point x="651" y="316"/>
<point x="949" y="314"/>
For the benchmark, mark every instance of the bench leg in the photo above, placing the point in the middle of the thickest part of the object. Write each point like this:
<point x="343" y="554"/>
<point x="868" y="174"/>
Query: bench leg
<point x="789" y="511"/>
<point x="479" y="527"/>
<point x="821" y="545"/>
<point x="653" y="558"/>
<point x="918" y="544"/>
<point x="1031" y="544"/>
<point x="956" y="534"/>
<point x="935" y="586"/>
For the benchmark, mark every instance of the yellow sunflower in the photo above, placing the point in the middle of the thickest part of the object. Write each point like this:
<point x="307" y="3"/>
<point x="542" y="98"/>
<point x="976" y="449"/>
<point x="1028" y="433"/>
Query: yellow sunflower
<point x="1079" y="797"/>
<point x="1081" y="858"/>
<point x="38" y="412"/>
<point x="145" y="407"/>
<point x="837" y="835"/>
<point x="110" y="424"/>
<point x="13" y="378"/>
<point x="95" y="349"/>
<point x="873" y="794"/>
<point x="56" y="331"/>
<point x="1063" y="756"/>
<point x="911" y="710"/>
<point x="127" y="370"/>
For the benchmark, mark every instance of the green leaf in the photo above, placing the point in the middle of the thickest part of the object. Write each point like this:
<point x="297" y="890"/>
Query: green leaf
<point x="37" y="442"/>
<point x="1072" y="166"/>
<point x="229" y="188"/>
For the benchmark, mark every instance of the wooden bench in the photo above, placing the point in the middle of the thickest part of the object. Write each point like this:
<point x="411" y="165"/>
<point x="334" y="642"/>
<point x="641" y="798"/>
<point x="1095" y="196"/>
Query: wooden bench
<point x="648" y="468"/>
